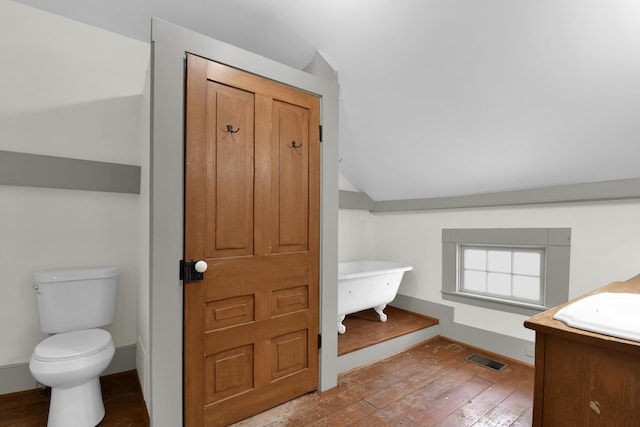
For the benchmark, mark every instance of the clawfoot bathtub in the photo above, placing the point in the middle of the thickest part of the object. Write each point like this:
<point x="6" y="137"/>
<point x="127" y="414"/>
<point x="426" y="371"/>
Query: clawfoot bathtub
<point x="367" y="284"/>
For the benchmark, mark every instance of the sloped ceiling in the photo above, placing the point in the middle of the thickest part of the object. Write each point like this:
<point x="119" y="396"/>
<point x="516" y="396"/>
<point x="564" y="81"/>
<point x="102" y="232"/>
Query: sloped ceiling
<point x="443" y="97"/>
<point x="45" y="63"/>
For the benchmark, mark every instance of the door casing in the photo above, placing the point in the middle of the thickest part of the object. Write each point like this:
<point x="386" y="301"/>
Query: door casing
<point x="170" y="42"/>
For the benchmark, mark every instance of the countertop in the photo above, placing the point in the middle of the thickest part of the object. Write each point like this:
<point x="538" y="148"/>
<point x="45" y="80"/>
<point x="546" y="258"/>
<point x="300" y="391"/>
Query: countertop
<point x="545" y="323"/>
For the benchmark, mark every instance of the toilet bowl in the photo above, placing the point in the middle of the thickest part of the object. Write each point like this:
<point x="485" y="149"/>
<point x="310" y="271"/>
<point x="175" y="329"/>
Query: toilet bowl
<point x="72" y="305"/>
<point x="70" y="364"/>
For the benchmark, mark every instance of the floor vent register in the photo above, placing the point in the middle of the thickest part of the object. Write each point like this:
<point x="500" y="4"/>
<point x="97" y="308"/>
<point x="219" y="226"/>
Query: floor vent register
<point x="494" y="365"/>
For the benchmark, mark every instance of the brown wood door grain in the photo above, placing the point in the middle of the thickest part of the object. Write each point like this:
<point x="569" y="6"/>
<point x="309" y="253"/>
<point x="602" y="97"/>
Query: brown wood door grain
<point x="252" y="212"/>
<point x="588" y="385"/>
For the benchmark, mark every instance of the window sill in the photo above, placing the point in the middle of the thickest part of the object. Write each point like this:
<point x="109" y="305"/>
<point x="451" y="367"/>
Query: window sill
<point x="494" y="303"/>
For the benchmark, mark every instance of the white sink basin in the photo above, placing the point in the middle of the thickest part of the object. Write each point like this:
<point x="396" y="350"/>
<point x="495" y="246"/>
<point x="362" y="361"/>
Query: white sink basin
<point x="609" y="313"/>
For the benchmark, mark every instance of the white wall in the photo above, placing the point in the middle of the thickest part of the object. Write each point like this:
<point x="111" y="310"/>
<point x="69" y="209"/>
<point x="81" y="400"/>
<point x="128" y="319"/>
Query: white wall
<point x="604" y="248"/>
<point x="48" y="229"/>
<point x="68" y="90"/>
<point x="356" y="229"/>
<point x="356" y="235"/>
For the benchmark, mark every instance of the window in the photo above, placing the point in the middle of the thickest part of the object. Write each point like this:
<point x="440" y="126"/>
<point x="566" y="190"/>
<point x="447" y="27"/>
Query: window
<point x="517" y="270"/>
<point x="500" y="272"/>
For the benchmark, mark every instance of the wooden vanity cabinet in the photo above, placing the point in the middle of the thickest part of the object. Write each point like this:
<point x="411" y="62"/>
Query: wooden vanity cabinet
<point x="584" y="378"/>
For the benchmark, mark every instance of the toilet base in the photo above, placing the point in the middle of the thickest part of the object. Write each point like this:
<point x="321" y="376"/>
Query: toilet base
<point x="79" y="406"/>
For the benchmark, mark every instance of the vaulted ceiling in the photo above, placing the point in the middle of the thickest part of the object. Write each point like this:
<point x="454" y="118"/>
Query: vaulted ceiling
<point x="442" y="97"/>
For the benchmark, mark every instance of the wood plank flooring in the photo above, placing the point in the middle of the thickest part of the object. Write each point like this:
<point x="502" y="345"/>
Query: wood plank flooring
<point x="429" y="385"/>
<point x="123" y="402"/>
<point x="365" y="328"/>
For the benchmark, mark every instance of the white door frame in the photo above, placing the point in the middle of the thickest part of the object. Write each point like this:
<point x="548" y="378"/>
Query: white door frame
<point x="169" y="44"/>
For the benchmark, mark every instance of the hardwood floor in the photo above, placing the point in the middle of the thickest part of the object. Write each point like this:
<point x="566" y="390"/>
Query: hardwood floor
<point x="123" y="402"/>
<point x="429" y="385"/>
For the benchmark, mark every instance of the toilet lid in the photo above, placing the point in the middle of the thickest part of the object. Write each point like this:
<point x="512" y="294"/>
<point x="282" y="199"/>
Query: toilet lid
<point x="72" y="345"/>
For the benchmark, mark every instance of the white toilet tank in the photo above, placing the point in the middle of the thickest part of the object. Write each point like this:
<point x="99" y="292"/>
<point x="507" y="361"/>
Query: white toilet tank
<point x="75" y="299"/>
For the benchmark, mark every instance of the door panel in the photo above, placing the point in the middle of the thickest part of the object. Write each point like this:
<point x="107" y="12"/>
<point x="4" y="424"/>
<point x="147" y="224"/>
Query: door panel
<point x="229" y="373"/>
<point x="252" y="212"/>
<point x="229" y="221"/>
<point x="290" y="192"/>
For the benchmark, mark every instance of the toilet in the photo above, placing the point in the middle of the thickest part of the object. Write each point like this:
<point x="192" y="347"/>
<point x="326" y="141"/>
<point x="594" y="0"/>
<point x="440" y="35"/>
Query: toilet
<point x="73" y="304"/>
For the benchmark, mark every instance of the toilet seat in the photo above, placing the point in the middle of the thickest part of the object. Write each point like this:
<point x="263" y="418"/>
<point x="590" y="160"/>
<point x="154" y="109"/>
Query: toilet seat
<point x="72" y="345"/>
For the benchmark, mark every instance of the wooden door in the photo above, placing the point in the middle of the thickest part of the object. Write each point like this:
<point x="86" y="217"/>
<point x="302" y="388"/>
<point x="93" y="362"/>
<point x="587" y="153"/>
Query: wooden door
<point x="252" y="182"/>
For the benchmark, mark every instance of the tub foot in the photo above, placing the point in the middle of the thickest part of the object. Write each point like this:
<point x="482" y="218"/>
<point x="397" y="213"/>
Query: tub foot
<point x="341" y="328"/>
<point x="378" y="309"/>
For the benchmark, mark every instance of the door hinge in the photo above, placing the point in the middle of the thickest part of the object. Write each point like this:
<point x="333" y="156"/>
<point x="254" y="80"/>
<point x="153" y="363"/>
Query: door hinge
<point x="189" y="273"/>
<point x="319" y="341"/>
<point x="320" y="132"/>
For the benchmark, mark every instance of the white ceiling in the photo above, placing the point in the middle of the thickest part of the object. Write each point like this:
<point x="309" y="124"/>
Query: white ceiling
<point x="442" y="97"/>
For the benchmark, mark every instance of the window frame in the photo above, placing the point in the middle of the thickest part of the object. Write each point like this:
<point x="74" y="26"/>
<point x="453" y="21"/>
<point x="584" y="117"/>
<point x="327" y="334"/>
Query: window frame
<point x="554" y="242"/>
